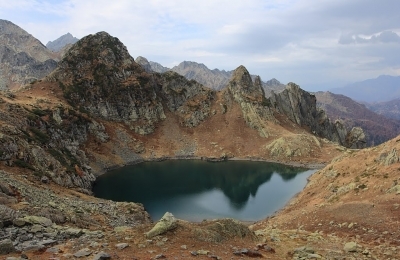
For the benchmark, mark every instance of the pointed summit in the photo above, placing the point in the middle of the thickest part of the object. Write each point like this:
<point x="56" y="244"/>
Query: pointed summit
<point x="61" y="42"/>
<point x="142" y="61"/>
<point x="243" y="88"/>
<point x="24" y="58"/>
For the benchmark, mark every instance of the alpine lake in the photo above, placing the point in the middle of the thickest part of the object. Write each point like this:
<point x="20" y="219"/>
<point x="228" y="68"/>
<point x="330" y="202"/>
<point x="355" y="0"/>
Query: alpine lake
<point x="195" y="190"/>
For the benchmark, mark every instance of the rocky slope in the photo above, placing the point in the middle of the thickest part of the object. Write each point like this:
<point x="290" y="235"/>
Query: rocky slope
<point x="23" y="59"/>
<point x="61" y="42"/>
<point x="377" y="128"/>
<point x="354" y="200"/>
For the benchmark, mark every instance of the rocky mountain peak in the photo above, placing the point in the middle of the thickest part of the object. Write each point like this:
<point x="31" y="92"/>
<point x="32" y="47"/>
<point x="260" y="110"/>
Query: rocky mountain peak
<point x="300" y="107"/>
<point x="61" y="42"/>
<point x="100" y="48"/>
<point x="23" y="58"/>
<point x="273" y="82"/>
<point x="242" y="86"/>
<point x="99" y="76"/>
<point x="142" y="61"/>
<point x="13" y="35"/>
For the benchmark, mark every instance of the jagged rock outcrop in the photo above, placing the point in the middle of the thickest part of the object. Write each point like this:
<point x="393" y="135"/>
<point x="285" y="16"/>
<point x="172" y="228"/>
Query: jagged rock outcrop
<point x="250" y="96"/>
<point x="99" y="76"/>
<point x="300" y="107"/>
<point x="190" y="100"/>
<point x="142" y="61"/>
<point x="58" y="44"/>
<point x="23" y="58"/>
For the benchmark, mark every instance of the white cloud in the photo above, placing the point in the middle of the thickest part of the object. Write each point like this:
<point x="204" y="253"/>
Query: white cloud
<point x="308" y="42"/>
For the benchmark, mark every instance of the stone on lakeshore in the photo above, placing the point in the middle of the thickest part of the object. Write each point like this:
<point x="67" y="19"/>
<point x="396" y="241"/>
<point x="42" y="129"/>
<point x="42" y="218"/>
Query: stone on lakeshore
<point x="6" y="247"/>
<point x="166" y="223"/>
<point x="19" y="222"/>
<point x="121" y="229"/>
<point x="83" y="253"/>
<point x="75" y="232"/>
<point x="38" y="220"/>
<point x="102" y="256"/>
<point x="350" y="247"/>
<point x="121" y="246"/>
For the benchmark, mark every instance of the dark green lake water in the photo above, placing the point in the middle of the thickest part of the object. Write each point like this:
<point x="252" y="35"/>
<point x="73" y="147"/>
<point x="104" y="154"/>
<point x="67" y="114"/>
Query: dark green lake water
<point x="195" y="190"/>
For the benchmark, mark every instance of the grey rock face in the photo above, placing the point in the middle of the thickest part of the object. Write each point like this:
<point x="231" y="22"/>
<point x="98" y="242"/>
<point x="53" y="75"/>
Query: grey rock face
<point x="215" y="79"/>
<point x="189" y="99"/>
<point x="61" y="42"/>
<point x="23" y="58"/>
<point x="157" y="67"/>
<point x="109" y="84"/>
<point x="300" y="107"/>
<point x="250" y="96"/>
<point x="142" y="61"/>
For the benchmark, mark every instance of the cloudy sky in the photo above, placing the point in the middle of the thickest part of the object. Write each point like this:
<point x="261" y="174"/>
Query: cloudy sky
<point x="318" y="44"/>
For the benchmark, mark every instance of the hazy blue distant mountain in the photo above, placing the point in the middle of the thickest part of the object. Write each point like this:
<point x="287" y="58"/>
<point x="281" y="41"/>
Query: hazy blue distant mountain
<point x="380" y="89"/>
<point x="61" y="42"/>
<point x="389" y="109"/>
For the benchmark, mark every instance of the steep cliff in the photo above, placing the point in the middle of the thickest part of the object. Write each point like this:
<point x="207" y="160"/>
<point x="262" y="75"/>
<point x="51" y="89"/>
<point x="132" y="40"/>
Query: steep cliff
<point x="99" y="76"/>
<point x="23" y="58"/>
<point x="300" y="106"/>
<point x="377" y="128"/>
<point x="250" y="95"/>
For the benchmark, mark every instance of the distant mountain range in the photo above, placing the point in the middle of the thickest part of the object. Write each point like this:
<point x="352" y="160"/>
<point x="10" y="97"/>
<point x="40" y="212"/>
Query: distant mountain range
<point x="381" y="89"/>
<point x="377" y="128"/>
<point x="215" y="79"/>
<point x="390" y="109"/>
<point x="60" y="43"/>
<point x="24" y="59"/>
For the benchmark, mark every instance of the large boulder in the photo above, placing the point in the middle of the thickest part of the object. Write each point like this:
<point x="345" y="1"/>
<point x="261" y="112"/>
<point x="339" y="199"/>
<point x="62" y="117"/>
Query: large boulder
<point x="166" y="223"/>
<point x="6" y="247"/>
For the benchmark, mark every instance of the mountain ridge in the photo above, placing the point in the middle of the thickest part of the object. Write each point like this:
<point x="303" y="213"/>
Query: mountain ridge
<point x="60" y="43"/>
<point x="23" y="58"/>
<point x="216" y="79"/>
<point x="378" y="129"/>
<point x="370" y="90"/>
